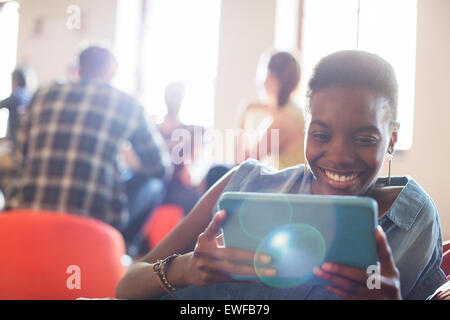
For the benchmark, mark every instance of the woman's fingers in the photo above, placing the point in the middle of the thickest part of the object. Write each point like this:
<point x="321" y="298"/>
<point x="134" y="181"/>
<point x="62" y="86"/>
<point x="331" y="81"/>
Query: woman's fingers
<point x="212" y="262"/>
<point x="215" y="262"/>
<point x="210" y="267"/>
<point x="241" y="268"/>
<point x="231" y="260"/>
<point x="230" y="267"/>
<point x="354" y="274"/>
<point x="233" y="254"/>
<point x="387" y="264"/>
<point x="352" y="285"/>
<point x="349" y="289"/>
<point x="207" y="276"/>
<point x="214" y="226"/>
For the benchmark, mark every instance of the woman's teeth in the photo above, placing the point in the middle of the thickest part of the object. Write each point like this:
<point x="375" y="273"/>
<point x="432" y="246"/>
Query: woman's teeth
<point x="340" y="178"/>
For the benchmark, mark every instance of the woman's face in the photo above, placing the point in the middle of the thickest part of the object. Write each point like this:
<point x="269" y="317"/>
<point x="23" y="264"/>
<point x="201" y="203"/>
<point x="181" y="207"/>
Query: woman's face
<point x="272" y="85"/>
<point x="347" y="138"/>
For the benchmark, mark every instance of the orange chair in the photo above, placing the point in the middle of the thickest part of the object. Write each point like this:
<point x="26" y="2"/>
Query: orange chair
<point x="163" y="220"/>
<point x="445" y="264"/>
<point x="49" y="255"/>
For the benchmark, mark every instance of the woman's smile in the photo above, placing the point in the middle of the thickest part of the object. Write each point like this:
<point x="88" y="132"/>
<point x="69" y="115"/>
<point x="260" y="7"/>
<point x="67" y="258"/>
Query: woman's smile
<point x="339" y="180"/>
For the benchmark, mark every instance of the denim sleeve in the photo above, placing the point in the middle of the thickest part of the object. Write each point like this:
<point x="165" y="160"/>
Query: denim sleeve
<point x="431" y="278"/>
<point x="428" y="235"/>
<point x="151" y="149"/>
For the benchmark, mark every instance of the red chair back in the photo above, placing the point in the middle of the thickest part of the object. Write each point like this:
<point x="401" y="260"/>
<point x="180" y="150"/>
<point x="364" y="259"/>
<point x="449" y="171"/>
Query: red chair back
<point x="445" y="265"/>
<point x="49" y="255"/>
<point x="446" y="246"/>
<point x="163" y="220"/>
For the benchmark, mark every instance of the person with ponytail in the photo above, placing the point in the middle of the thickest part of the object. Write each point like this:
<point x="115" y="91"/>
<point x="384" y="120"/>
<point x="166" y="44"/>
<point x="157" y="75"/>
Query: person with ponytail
<point x="277" y="112"/>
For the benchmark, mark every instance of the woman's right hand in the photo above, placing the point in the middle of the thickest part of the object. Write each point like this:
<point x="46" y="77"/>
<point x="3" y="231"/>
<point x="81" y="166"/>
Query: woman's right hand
<point x="211" y="262"/>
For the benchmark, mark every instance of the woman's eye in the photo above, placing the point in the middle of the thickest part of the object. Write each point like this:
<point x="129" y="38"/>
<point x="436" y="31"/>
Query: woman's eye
<point x="366" y="140"/>
<point x="321" y="136"/>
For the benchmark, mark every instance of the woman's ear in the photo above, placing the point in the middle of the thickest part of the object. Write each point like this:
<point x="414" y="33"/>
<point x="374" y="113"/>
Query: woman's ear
<point x="394" y="137"/>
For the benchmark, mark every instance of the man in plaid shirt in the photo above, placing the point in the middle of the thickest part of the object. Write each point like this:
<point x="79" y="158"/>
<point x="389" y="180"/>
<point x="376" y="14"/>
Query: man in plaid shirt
<point x="70" y="140"/>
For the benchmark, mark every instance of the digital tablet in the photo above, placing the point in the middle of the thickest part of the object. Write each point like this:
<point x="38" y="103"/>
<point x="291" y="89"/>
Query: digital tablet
<point x="300" y="232"/>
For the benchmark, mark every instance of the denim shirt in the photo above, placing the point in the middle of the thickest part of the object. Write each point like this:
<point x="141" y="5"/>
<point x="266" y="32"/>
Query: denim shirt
<point x="411" y="225"/>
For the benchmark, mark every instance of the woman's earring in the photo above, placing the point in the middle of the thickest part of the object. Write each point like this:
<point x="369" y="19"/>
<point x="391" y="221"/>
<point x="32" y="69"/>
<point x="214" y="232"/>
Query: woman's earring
<point x="390" y="156"/>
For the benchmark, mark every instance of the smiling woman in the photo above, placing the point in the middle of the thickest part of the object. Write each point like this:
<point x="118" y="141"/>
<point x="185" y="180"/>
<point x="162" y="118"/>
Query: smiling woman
<point x="351" y="126"/>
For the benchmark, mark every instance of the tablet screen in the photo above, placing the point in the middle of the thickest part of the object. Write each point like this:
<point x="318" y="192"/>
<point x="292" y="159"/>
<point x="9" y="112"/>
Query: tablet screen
<point x="300" y="232"/>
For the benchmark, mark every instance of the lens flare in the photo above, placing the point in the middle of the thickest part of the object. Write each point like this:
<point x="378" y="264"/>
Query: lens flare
<point x="280" y="240"/>
<point x="295" y="249"/>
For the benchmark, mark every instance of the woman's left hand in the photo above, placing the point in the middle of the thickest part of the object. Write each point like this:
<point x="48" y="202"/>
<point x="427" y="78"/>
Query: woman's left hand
<point x="357" y="284"/>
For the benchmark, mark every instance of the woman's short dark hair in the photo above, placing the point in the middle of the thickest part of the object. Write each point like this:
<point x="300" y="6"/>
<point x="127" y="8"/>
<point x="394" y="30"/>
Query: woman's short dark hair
<point x="19" y="75"/>
<point x="356" y="68"/>
<point x="287" y="70"/>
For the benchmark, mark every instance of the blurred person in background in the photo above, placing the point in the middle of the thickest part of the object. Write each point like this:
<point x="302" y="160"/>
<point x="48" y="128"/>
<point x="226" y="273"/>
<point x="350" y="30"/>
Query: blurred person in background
<point x="180" y="190"/>
<point x="17" y="102"/>
<point x="276" y="111"/>
<point x="68" y="148"/>
<point x="22" y="87"/>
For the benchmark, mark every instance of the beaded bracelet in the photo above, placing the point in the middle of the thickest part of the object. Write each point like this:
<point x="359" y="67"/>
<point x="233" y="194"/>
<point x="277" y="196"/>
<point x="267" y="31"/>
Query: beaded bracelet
<point x="160" y="269"/>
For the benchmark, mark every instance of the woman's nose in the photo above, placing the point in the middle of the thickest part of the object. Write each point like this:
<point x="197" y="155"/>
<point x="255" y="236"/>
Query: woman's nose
<point x="341" y="153"/>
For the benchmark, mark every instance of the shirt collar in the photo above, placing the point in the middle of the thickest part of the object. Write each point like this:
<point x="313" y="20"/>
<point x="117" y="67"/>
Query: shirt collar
<point x="409" y="202"/>
<point x="405" y="208"/>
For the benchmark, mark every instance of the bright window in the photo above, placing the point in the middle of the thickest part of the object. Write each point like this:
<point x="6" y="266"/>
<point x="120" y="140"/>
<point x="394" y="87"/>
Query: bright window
<point x="180" y="42"/>
<point x="126" y="44"/>
<point x="286" y="25"/>
<point x="375" y="26"/>
<point x="9" y="20"/>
